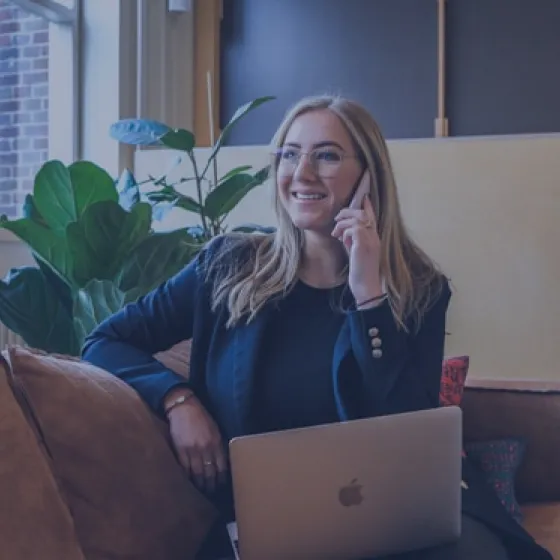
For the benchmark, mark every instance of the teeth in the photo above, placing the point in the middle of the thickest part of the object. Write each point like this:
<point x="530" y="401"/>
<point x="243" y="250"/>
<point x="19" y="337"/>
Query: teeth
<point x="302" y="196"/>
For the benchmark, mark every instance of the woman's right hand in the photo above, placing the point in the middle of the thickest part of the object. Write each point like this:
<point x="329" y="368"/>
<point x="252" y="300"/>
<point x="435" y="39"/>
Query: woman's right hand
<point x="198" y="443"/>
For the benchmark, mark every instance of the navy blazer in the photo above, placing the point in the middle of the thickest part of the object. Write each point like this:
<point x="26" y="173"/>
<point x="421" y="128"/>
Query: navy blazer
<point x="224" y="363"/>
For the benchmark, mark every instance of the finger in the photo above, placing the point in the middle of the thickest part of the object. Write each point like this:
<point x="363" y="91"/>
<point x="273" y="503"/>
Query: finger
<point x="183" y="457"/>
<point x="348" y="236"/>
<point x="353" y="236"/>
<point x="349" y="213"/>
<point x="197" y="469"/>
<point x="221" y="465"/>
<point x="344" y="224"/>
<point x="209" y="473"/>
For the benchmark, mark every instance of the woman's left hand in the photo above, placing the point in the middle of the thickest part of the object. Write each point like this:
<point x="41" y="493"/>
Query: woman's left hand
<point x="357" y="230"/>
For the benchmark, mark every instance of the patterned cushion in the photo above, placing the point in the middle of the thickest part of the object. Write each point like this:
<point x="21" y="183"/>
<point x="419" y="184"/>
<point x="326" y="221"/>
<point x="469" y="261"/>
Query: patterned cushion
<point x="453" y="377"/>
<point x="499" y="461"/>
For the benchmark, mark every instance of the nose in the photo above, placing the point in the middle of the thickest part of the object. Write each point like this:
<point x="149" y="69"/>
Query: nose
<point x="304" y="168"/>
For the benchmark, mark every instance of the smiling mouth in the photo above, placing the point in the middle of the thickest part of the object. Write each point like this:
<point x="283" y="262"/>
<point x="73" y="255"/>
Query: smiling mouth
<point x="302" y="196"/>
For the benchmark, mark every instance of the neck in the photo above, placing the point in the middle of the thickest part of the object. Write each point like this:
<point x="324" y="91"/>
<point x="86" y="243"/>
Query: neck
<point x="323" y="261"/>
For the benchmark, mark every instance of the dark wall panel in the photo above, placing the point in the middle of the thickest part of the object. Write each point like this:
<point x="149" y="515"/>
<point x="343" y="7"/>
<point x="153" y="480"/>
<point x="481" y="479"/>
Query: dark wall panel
<point x="380" y="52"/>
<point x="504" y="66"/>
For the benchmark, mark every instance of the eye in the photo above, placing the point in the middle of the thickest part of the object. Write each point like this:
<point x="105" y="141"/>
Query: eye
<point x="288" y="154"/>
<point x="329" y="156"/>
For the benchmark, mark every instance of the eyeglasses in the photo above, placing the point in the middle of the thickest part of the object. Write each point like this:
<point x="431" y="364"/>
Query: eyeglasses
<point x="326" y="162"/>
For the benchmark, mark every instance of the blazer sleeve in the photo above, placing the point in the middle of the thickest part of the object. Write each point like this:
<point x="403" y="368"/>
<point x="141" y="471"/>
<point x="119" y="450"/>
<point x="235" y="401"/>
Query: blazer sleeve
<point x="400" y="371"/>
<point x="124" y="344"/>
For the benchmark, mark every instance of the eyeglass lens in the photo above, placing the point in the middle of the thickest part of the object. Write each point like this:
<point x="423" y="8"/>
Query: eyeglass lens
<point x="325" y="161"/>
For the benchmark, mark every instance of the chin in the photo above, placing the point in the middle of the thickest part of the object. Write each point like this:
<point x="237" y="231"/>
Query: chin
<point x="316" y="225"/>
<point x="310" y="219"/>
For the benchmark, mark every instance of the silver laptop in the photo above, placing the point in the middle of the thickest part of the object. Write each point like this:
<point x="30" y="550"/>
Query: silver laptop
<point x="351" y="490"/>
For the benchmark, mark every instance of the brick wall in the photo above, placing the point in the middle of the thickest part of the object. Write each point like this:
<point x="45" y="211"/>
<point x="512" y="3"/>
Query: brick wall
<point x="24" y="98"/>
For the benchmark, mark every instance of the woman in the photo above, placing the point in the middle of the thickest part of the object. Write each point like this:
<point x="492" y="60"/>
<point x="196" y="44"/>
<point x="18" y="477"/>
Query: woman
<point x="337" y="315"/>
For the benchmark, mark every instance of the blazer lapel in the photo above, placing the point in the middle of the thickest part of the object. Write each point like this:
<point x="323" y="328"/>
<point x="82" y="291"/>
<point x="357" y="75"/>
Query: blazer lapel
<point x="247" y="346"/>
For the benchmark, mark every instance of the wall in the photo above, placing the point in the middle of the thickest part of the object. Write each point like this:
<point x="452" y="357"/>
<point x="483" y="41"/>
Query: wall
<point x="487" y="210"/>
<point x="13" y="254"/>
<point x="502" y="62"/>
<point x="24" y="77"/>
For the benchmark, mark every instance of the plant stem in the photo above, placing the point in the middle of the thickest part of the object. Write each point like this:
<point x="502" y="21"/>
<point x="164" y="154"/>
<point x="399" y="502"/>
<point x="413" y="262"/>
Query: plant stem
<point x="199" y="193"/>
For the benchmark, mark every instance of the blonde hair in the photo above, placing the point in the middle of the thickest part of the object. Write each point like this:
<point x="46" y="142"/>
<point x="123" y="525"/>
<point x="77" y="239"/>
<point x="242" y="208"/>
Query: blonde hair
<point x="269" y="266"/>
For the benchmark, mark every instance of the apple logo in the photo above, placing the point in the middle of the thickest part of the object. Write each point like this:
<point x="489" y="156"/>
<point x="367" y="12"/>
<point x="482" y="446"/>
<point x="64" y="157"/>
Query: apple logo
<point x="351" y="495"/>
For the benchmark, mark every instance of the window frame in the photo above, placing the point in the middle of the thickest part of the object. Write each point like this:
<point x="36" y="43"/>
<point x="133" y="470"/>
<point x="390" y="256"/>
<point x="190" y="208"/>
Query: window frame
<point x="65" y="66"/>
<point x="208" y="16"/>
<point x="50" y="10"/>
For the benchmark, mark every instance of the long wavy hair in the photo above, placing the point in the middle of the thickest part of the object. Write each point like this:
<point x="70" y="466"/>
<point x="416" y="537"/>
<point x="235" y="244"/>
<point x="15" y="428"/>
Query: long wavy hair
<point x="270" y="264"/>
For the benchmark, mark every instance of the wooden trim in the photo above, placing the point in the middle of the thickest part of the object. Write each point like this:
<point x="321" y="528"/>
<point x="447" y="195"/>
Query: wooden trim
<point x="207" y="19"/>
<point x="441" y="122"/>
<point x="518" y="385"/>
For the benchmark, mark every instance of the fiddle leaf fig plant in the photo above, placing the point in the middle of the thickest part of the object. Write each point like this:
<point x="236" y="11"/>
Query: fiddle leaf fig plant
<point x="95" y="250"/>
<point x="211" y="197"/>
<point x="92" y="236"/>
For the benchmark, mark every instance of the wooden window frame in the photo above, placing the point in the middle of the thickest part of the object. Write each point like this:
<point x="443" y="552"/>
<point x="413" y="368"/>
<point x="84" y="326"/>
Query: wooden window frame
<point x="208" y="15"/>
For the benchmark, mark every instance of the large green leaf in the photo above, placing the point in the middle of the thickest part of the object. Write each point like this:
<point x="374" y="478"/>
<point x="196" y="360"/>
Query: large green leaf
<point x="60" y="285"/>
<point x="30" y="211"/>
<point x="96" y="301"/>
<point x="30" y="308"/>
<point x="43" y="241"/>
<point x="179" y="139"/>
<point x="104" y="236"/>
<point x="238" y="115"/>
<point x="155" y="259"/>
<point x="169" y="194"/>
<point x="91" y="184"/>
<point x="235" y="171"/>
<point x="223" y="198"/>
<point x="53" y="195"/>
<point x="61" y="194"/>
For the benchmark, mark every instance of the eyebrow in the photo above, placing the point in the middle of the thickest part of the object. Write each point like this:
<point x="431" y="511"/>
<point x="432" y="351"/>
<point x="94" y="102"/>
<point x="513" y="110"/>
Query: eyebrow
<point x="317" y="145"/>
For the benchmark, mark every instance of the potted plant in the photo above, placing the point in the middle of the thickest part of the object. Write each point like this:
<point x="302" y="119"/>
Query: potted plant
<point x="213" y="197"/>
<point x="93" y="240"/>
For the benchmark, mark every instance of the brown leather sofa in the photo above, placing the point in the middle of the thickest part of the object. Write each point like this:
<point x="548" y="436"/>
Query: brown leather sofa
<point x="87" y="472"/>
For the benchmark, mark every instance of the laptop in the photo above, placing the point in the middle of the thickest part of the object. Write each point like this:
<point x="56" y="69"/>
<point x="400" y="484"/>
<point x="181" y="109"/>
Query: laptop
<point x="350" y="490"/>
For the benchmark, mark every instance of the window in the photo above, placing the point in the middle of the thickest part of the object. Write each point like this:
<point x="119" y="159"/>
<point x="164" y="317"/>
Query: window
<point x="37" y="39"/>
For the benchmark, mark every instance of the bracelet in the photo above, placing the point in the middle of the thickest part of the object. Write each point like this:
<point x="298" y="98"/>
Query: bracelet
<point x="179" y="400"/>
<point x="371" y="300"/>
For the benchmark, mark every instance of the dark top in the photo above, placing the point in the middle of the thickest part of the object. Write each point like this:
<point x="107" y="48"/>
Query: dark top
<point x="310" y="319"/>
<point x="225" y="363"/>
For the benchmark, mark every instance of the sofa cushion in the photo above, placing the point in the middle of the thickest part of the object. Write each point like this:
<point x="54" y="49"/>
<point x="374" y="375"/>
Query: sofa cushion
<point x="453" y="377"/>
<point x="542" y="521"/>
<point x="128" y="495"/>
<point x="521" y="409"/>
<point x="34" y="520"/>
<point x="499" y="461"/>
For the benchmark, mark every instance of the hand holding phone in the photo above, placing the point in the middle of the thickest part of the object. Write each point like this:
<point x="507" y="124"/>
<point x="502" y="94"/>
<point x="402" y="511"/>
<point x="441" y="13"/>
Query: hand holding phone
<point x="356" y="228"/>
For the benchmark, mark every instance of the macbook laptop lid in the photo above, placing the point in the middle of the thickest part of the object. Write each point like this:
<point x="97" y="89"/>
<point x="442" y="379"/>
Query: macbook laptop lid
<point x="349" y="490"/>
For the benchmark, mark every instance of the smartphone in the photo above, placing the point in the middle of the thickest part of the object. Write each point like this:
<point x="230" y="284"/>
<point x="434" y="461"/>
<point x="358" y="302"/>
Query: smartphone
<point x="362" y="190"/>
